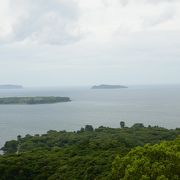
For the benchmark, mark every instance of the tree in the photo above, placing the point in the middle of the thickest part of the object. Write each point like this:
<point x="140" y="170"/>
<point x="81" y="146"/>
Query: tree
<point x="159" y="161"/>
<point x="10" y="147"/>
<point x="89" y="128"/>
<point x="122" y="124"/>
<point x="18" y="137"/>
<point x="82" y="129"/>
<point x="138" y="125"/>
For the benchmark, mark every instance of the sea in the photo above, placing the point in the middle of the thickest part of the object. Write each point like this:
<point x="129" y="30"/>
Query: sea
<point x="153" y="105"/>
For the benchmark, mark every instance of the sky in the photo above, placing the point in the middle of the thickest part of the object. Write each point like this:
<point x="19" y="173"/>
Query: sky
<point x="87" y="42"/>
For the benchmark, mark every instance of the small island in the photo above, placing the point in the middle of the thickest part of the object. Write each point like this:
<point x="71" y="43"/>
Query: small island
<point x="33" y="100"/>
<point x="10" y="86"/>
<point x="105" y="86"/>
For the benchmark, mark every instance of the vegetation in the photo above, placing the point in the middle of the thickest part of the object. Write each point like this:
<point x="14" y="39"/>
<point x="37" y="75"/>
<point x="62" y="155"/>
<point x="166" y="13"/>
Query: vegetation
<point x="122" y="124"/>
<point x="89" y="153"/>
<point x="159" y="161"/>
<point x="33" y="100"/>
<point x="10" y="86"/>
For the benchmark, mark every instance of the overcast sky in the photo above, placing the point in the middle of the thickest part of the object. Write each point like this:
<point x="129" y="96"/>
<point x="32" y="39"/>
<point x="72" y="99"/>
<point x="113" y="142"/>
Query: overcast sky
<point x="87" y="42"/>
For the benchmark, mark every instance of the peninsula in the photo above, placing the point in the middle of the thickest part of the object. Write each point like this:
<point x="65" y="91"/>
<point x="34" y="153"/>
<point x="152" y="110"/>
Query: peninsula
<point x="105" y="86"/>
<point x="10" y="86"/>
<point x="33" y="100"/>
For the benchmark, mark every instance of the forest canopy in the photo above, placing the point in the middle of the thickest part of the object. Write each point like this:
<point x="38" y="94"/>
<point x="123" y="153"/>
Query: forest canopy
<point x="93" y="153"/>
<point x="33" y="100"/>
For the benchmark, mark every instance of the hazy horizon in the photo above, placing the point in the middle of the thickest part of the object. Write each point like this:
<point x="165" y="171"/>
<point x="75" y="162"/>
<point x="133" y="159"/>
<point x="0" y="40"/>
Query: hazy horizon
<point x="89" y="85"/>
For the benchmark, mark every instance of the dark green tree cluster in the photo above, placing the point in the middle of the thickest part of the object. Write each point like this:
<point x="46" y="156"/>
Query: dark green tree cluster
<point x="33" y="100"/>
<point x="86" y="154"/>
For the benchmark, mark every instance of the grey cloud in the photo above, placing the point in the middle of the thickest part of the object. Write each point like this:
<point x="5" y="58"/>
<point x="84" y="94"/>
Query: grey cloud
<point x="109" y="2"/>
<point x="124" y="2"/>
<point x="156" y="20"/>
<point x="49" y="22"/>
<point x="139" y="54"/>
<point x="161" y="1"/>
<point x="106" y="3"/>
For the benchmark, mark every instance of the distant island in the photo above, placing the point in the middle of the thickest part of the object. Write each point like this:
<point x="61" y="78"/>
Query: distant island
<point x="105" y="86"/>
<point x="33" y="100"/>
<point x="10" y="86"/>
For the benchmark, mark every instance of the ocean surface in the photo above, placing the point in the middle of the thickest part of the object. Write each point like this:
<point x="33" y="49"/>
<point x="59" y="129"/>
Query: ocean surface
<point x="154" y="105"/>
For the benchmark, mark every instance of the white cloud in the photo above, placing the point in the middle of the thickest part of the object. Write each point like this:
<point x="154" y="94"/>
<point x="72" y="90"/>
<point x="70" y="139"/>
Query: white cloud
<point x="161" y="1"/>
<point x="67" y="21"/>
<point x="163" y="17"/>
<point x="116" y="40"/>
<point x="53" y="22"/>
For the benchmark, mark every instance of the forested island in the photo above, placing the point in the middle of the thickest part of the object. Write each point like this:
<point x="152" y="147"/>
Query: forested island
<point x="126" y="153"/>
<point x="33" y="100"/>
<point x="10" y="86"/>
<point x="105" y="86"/>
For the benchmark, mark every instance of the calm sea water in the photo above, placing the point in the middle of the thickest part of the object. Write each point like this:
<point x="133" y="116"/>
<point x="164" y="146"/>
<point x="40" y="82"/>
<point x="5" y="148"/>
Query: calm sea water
<point x="154" y="105"/>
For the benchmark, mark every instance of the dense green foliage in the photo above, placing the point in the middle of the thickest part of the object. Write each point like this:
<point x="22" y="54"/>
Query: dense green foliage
<point x="159" y="161"/>
<point x="33" y="100"/>
<point x="85" y="154"/>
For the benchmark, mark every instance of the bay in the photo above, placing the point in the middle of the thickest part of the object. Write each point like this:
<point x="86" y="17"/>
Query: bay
<point x="154" y="105"/>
